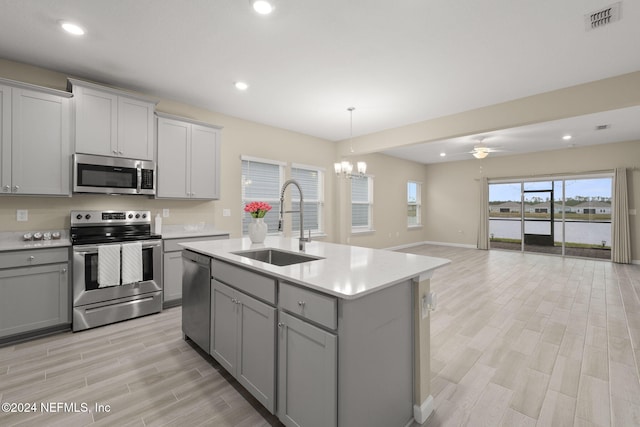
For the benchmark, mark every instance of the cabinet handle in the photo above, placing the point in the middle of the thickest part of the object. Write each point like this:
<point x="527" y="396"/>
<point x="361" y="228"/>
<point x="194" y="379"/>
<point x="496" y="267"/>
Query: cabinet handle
<point x="280" y="324"/>
<point x="302" y="303"/>
<point x="31" y="257"/>
<point x="6" y="188"/>
<point x="115" y="152"/>
<point x="16" y="188"/>
<point x="119" y="152"/>
<point x="64" y="270"/>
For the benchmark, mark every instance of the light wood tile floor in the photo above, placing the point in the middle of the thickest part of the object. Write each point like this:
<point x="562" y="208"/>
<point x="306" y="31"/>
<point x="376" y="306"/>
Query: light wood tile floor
<point x="534" y="340"/>
<point x="517" y="340"/>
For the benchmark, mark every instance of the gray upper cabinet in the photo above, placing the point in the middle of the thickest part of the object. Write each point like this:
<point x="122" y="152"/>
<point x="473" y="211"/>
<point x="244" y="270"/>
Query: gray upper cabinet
<point x="188" y="159"/>
<point x="110" y="122"/>
<point x="35" y="142"/>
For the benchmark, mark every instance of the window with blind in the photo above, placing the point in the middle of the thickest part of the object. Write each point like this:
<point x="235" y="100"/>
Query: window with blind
<point x="414" y="205"/>
<point x="362" y="204"/>
<point x="261" y="181"/>
<point x="312" y="182"/>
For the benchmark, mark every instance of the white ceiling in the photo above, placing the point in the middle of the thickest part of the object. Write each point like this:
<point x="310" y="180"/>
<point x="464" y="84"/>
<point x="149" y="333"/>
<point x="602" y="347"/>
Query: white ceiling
<point x="622" y="125"/>
<point x="397" y="62"/>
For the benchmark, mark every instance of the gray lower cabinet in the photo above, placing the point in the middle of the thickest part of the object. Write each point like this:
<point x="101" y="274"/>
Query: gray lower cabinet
<point x="34" y="294"/>
<point x="172" y="267"/>
<point x="307" y="374"/>
<point x="243" y="340"/>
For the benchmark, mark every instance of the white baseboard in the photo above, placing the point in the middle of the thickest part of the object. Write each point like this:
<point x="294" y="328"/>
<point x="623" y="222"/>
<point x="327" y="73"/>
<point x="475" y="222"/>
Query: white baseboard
<point x="635" y="261"/>
<point x="422" y="412"/>
<point x="426" y="242"/>
<point x="455" y="245"/>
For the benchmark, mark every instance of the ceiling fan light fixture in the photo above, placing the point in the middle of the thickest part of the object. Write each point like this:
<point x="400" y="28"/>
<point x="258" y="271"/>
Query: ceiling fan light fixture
<point x="480" y="153"/>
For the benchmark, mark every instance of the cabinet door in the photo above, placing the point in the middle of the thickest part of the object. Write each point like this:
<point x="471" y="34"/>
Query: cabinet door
<point x="32" y="298"/>
<point x="224" y="319"/>
<point x="307" y="374"/>
<point x="96" y="122"/>
<point x="172" y="277"/>
<point x="256" y="352"/>
<point x="41" y="151"/>
<point x="205" y="170"/>
<point x="5" y="139"/>
<point x="135" y="128"/>
<point x="173" y="141"/>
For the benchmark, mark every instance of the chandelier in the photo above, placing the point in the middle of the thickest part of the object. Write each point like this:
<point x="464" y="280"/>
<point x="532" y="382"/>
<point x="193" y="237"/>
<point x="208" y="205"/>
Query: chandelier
<point x="344" y="169"/>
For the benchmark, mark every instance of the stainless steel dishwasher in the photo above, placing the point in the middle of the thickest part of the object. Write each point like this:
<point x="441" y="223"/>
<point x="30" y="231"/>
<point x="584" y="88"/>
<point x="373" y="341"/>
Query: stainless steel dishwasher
<point x="196" y="298"/>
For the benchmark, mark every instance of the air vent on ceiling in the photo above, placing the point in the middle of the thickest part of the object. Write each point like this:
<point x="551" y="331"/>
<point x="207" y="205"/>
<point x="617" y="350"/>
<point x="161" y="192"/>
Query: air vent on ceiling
<point x="602" y="127"/>
<point x="602" y="17"/>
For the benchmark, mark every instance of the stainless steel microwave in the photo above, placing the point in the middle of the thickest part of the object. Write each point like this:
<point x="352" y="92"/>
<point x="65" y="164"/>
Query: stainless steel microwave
<point x="112" y="175"/>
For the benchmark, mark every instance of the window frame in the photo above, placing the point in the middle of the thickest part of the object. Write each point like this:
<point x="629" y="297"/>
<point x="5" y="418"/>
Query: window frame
<point x="417" y="204"/>
<point x="295" y="197"/>
<point x="369" y="227"/>
<point x="272" y="202"/>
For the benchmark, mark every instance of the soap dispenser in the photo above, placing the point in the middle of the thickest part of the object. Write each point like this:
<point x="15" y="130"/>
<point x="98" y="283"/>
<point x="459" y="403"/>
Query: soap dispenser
<point x="158" y="225"/>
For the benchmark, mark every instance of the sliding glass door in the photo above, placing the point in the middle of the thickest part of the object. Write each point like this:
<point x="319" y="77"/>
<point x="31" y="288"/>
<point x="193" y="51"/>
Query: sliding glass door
<point x="562" y="216"/>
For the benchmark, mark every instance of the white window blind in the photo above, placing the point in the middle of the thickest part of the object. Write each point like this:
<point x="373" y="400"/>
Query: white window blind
<point x="261" y="181"/>
<point x="414" y="205"/>
<point x="361" y="204"/>
<point x="312" y="182"/>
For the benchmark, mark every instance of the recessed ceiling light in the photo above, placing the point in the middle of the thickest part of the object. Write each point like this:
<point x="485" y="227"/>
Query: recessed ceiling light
<point x="263" y="7"/>
<point x="566" y="137"/>
<point x="241" y="86"/>
<point x="72" y="28"/>
<point x="443" y="154"/>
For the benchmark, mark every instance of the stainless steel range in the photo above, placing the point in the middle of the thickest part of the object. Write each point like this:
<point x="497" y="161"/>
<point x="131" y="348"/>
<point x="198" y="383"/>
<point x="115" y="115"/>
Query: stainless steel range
<point x="116" y="267"/>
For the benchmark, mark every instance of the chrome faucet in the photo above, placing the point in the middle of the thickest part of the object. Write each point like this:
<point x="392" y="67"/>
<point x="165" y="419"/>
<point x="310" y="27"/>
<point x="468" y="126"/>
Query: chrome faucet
<point x="302" y="239"/>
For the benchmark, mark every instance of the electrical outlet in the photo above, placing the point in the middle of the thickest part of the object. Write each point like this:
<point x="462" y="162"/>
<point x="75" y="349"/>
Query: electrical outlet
<point x="226" y="212"/>
<point x="165" y="213"/>
<point x="22" y="215"/>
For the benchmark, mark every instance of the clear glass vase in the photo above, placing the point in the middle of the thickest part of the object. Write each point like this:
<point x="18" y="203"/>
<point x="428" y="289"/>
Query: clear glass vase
<point x="257" y="230"/>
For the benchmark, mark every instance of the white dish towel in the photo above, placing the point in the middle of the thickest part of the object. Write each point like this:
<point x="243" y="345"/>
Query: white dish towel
<point x="108" y="265"/>
<point x="131" y="262"/>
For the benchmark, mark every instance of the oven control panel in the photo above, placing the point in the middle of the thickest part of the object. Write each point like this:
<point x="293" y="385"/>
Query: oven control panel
<point x="80" y="218"/>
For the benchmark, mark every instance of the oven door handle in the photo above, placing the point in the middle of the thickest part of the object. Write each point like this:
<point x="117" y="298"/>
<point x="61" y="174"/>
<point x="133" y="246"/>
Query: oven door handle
<point x="94" y="248"/>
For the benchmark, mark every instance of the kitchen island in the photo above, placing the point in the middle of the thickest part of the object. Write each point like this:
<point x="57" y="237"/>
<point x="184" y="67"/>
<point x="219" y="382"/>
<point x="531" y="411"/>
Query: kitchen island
<point x="335" y="336"/>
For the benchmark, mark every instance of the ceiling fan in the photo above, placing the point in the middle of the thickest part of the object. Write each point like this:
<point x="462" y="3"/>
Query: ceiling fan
<point x="481" y="150"/>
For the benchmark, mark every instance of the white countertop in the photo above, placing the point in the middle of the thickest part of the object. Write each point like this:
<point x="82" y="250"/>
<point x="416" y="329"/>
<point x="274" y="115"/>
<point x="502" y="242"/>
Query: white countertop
<point x="186" y="231"/>
<point x="13" y="241"/>
<point x="347" y="272"/>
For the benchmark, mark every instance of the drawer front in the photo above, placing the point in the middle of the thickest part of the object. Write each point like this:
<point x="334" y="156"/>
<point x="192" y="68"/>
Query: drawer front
<point x="171" y="245"/>
<point x="33" y="257"/>
<point x="247" y="281"/>
<point x="319" y="308"/>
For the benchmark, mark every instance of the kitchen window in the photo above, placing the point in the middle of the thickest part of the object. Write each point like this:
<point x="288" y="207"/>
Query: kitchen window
<point x="261" y="181"/>
<point x="362" y="204"/>
<point x="311" y="179"/>
<point x="414" y="205"/>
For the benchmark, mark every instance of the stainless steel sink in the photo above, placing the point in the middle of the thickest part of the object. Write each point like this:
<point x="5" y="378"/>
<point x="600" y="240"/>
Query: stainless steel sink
<point x="277" y="257"/>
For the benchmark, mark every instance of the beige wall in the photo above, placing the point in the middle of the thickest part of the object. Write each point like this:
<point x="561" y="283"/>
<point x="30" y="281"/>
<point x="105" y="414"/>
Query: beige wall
<point x="452" y="198"/>
<point x="239" y="137"/>
<point x="390" y="177"/>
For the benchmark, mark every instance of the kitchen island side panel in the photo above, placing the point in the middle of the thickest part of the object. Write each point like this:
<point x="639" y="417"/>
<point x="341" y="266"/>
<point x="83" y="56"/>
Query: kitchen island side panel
<point x="375" y="367"/>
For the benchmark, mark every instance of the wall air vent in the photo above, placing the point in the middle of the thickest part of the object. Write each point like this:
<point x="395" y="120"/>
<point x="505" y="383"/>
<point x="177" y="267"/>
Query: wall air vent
<point x="602" y="17"/>
<point x="602" y="127"/>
